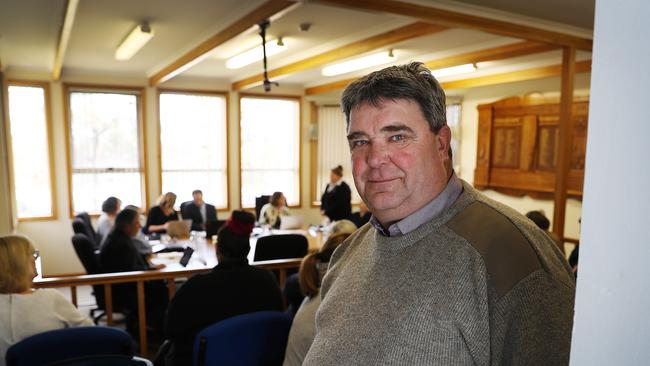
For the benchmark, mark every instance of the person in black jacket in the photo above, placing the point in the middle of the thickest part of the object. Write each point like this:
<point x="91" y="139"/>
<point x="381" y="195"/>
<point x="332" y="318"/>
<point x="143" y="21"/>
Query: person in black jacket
<point x="232" y="288"/>
<point x="119" y="254"/>
<point x="198" y="211"/>
<point x="161" y="214"/>
<point x="335" y="201"/>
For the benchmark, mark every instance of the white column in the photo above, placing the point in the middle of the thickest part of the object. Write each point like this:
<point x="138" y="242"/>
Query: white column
<point x="612" y="315"/>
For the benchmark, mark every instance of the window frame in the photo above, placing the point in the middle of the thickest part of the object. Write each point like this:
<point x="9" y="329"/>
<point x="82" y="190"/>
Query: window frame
<point x="297" y="98"/>
<point x="206" y="93"/>
<point x="140" y="93"/>
<point x="50" y="148"/>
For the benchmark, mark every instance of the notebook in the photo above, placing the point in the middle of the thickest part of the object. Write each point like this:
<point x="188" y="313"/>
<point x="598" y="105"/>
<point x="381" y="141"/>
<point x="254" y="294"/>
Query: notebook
<point x="291" y="222"/>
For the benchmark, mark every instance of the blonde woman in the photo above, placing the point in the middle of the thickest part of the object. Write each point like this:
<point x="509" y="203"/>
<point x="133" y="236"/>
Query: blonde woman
<point x="24" y="311"/>
<point x="160" y="214"/>
<point x="303" y="328"/>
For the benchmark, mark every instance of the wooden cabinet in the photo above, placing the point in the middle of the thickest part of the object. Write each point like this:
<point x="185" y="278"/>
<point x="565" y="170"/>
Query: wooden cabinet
<point x="518" y="143"/>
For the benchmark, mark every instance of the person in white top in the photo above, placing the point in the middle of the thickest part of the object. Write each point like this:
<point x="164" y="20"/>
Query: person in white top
<point x="271" y="213"/>
<point x="24" y="311"/>
<point x="110" y="207"/>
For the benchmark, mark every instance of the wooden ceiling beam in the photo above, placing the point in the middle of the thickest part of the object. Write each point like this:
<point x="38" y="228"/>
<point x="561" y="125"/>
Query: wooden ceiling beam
<point x="197" y="54"/>
<point x="64" y="37"/>
<point x="454" y="19"/>
<point x="490" y="54"/>
<point x="413" y="30"/>
<point x="510" y="77"/>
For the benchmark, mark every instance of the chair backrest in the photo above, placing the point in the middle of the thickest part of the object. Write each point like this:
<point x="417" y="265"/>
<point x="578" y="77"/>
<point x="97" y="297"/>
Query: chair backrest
<point x="86" y="252"/>
<point x="259" y="203"/>
<point x="59" y="345"/>
<point x="280" y="247"/>
<point x="250" y="339"/>
<point x="104" y="360"/>
<point x="81" y="226"/>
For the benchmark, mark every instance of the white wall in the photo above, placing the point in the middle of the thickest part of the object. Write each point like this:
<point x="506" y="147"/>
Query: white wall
<point x="612" y="323"/>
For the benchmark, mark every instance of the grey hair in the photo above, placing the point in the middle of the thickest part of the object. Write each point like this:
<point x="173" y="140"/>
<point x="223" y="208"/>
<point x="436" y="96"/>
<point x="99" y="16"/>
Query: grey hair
<point x="412" y="82"/>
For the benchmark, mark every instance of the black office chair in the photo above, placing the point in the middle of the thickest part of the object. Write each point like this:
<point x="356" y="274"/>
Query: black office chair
<point x="280" y="247"/>
<point x="88" y="257"/>
<point x="81" y="225"/>
<point x="259" y="203"/>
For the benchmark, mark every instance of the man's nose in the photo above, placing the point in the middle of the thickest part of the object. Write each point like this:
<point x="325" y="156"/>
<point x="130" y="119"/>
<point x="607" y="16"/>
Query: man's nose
<point x="377" y="154"/>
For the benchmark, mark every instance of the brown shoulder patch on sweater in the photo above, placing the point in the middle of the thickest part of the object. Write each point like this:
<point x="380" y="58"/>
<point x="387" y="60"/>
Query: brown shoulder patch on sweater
<point x="508" y="255"/>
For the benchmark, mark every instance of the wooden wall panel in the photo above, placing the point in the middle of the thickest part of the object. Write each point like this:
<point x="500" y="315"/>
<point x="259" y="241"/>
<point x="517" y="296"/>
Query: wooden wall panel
<point x="518" y="147"/>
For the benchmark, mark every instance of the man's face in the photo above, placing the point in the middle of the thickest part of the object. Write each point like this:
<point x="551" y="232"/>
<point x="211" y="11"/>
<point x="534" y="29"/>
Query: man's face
<point x="198" y="199"/>
<point x="397" y="162"/>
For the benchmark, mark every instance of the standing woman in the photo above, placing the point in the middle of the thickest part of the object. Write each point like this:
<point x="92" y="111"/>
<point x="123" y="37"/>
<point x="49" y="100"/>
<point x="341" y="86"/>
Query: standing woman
<point x="24" y="311"/>
<point x="335" y="202"/>
<point x="161" y="214"/>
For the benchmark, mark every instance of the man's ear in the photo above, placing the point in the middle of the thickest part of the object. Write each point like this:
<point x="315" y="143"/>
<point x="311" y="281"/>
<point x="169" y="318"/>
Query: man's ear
<point x="443" y="142"/>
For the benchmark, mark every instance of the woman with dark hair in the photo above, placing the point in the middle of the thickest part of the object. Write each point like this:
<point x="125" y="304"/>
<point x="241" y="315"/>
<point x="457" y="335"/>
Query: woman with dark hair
<point x="232" y="288"/>
<point x="335" y="201"/>
<point x="110" y="208"/>
<point x="160" y="214"/>
<point x="24" y="311"/>
<point x="303" y="329"/>
<point x="271" y="213"/>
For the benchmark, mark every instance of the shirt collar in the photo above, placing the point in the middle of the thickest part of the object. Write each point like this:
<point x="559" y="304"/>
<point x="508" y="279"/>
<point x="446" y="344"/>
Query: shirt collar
<point x="432" y="209"/>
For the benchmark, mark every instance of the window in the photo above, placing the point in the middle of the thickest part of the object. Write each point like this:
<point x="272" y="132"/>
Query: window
<point x="333" y="149"/>
<point x="270" y="148"/>
<point x="193" y="146"/>
<point x="30" y="150"/>
<point x="105" y="148"/>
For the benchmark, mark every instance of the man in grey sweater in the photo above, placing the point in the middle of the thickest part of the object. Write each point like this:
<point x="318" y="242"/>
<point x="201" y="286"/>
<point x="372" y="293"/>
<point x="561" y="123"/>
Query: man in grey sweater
<point x="442" y="275"/>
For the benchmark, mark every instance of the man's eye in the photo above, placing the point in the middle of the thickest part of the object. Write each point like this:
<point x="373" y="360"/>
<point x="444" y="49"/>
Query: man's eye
<point x="357" y="143"/>
<point x="396" y="138"/>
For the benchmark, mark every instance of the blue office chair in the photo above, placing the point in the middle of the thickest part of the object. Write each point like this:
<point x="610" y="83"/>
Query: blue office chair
<point x="250" y="339"/>
<point x="62" y="346"/>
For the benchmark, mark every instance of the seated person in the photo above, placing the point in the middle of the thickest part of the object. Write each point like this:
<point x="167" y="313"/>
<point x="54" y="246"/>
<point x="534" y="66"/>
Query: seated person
<point x="119" y="254"/>
<point x="24" y="311"/>
<point x="271" y="212"/>
<point x="110" y="208"/>
<point x="361" y="217"/>
<point x="543" y="223"/>
<point x="292" y="289"/>
<point x="232" y="288"/>
<point x="160" y="214"/>
<point x="140" y="240"/>
<point x="303" y="329"/>
<point x="198" y="211"/>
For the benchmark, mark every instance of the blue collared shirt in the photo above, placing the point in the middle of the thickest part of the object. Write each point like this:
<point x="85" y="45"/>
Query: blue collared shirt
<point x="432" y="209"/>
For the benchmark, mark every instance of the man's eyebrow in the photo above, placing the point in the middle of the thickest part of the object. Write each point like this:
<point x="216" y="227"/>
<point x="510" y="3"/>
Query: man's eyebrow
<point x="356" y="135"/>
<point x="397" y="128"/>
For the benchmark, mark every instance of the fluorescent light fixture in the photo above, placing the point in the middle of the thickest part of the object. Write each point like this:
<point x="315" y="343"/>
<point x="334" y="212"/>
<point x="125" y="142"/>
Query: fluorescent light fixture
<point x="138" y="37"/>
<point x="454" y="70"/>
<point x="359" y="63"/>
<point x="256" y="54"/>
